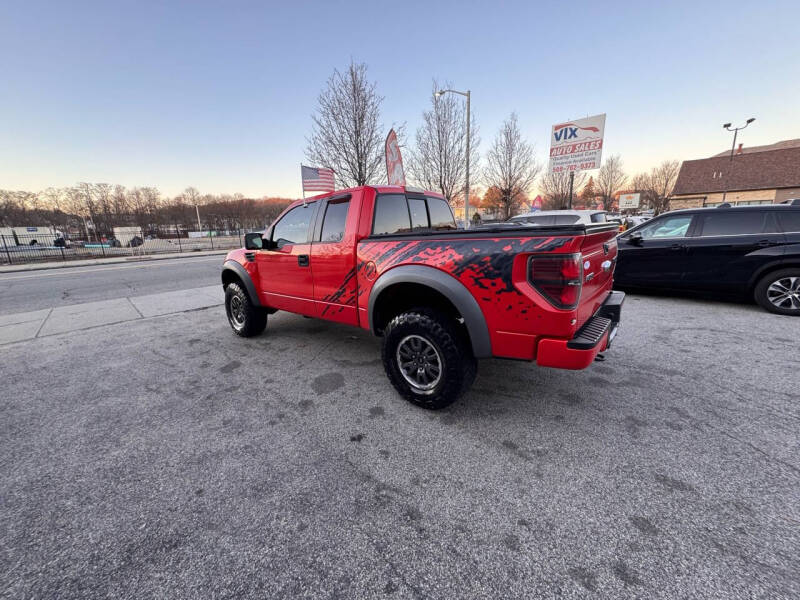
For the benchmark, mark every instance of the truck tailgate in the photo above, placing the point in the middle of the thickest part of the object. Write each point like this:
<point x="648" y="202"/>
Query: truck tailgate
<point x="599" y="256"/>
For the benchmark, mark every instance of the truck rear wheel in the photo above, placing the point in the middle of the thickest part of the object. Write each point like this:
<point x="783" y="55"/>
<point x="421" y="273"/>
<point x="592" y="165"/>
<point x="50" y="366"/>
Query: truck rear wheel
<point x="779" y="292"/>
<point x="245" y="318"/>
<point x="427" y="359"/>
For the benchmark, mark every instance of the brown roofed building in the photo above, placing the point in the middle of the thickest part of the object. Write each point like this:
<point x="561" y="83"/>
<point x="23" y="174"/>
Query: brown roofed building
<point x="757" y="175"/>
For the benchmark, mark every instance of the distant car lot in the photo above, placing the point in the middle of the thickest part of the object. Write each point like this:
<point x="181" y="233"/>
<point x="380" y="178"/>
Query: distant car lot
<point x="28" y="252"/>
<point x="195" y="463"/>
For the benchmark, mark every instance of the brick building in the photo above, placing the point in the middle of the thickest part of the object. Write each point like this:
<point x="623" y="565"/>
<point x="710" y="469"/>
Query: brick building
<point x="757" y="175"/>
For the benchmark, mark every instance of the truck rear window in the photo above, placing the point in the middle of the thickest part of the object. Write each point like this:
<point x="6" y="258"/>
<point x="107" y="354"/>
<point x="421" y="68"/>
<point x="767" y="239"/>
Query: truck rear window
<point x="419" y="214"/>
<point x="396" y="214"/>
<point x="391" y="215"/>
<point x="441" y="215"/>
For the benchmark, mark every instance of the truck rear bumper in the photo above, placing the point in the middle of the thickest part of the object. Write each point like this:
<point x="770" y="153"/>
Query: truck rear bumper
<point x="593" y="337"/>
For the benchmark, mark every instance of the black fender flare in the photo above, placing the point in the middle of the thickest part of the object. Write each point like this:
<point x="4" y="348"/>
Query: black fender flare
<point x="450" y="288"/>
<point x="781" y="262"/>
<point x="241" y="273"/>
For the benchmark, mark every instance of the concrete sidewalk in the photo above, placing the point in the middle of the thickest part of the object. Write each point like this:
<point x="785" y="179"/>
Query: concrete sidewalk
<point x="107" y="261"/>
<point x="64" y="319"/>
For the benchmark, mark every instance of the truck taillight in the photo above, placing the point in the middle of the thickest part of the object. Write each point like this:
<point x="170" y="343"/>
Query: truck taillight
<point x="557" y="277"/>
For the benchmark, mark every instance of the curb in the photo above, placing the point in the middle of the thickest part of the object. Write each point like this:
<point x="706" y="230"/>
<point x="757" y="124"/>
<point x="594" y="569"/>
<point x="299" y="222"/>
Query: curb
<point x="108" y="261"/>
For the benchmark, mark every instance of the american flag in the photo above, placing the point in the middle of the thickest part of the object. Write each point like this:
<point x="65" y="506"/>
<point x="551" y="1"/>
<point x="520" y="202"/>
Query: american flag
<point x="316" y="180"/>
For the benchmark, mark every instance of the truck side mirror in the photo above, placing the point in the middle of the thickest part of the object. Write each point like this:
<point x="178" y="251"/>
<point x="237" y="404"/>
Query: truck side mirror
<point x="253" y="241"/>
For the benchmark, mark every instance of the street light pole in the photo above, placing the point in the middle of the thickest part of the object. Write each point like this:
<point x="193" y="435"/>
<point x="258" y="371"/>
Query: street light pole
<point x="735" y="131"/>
<point x="466" y="192"/>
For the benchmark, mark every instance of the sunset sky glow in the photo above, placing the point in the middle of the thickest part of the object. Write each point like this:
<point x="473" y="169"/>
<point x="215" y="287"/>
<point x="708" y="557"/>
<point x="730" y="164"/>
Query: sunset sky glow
<point x="219" y="95"/>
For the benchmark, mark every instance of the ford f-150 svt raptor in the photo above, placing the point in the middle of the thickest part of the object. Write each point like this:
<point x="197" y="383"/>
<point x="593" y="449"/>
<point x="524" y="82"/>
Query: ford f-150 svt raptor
<point x="391" y="260"/>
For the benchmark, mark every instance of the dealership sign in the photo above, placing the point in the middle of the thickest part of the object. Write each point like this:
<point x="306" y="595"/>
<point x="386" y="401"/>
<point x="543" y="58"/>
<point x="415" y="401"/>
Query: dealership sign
<point x="628" y="201"/>
<point x="577" y="145"/>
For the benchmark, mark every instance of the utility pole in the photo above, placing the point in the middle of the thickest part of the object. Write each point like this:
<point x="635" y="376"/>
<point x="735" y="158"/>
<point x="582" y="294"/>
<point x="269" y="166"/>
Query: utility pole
<point x="466" y="193"/>
<point x="571" y="183"/>
<point x="199" y="226"/>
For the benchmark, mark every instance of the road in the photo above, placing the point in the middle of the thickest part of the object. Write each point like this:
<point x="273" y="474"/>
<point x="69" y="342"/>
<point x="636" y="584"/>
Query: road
<point x="33" y="290"/>
<point x="165" y="457"/>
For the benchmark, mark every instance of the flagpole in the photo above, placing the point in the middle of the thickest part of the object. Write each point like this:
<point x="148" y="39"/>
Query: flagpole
<point x="303" y="185"/>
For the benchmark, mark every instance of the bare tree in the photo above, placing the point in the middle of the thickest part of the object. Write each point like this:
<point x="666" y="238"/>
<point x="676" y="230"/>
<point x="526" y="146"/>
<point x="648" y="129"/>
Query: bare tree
<point x="9" y="209"/>
<point x="119" y="199"/>
<point x="85" y="192"/>
<point x="69" y="209"/>
<point x="439" y="160"/>
<point x="555" y="188"/>
<point x="511" y="167"/>
<point x="657" y="185"/>
<point x="610" y="179"/>
<point x="589" y="193"/>
<point x="346" y="135"/>
<point x="191" y="196"/>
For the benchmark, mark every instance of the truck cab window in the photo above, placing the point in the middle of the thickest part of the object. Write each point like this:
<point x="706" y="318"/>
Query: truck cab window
<point x="293" y="226"/>
<point x="441" y="215"/>
<point x="334" y="222"/>
<point x="419" y="214"/>
<point x="391" y="215"/>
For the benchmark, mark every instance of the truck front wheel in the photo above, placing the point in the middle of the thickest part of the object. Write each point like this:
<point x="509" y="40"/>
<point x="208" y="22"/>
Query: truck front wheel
<point x="427" y="359"/>
<point x="245" y="318"/>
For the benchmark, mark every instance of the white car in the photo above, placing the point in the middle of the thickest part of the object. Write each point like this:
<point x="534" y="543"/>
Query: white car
<point x="560" y="217"/>
<point x="636" y="220"/>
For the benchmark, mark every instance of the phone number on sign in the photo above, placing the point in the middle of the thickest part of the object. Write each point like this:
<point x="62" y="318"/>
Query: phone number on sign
<point x="579" y="167"/>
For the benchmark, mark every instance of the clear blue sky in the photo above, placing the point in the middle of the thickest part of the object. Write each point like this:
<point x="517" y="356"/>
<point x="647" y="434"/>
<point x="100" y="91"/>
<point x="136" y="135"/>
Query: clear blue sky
<point x="219" y="94"/>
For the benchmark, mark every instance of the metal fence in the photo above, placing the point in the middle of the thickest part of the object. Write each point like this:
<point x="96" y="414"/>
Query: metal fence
<point x="20" y="248"/>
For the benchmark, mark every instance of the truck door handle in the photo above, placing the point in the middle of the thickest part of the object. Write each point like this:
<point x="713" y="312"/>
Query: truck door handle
<point x="764" y="243"/>
<point x="302" y="260"/>
<point x="677" y="247"/>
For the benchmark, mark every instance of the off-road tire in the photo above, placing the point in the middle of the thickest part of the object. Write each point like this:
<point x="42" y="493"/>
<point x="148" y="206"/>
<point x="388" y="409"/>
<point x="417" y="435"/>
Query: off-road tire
<point x="761" y="291"/>
<point x="459" y="365"/>
<point x="246" y="319"/>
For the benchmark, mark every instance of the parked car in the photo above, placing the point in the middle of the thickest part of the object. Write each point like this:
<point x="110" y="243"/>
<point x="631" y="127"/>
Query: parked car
<point x="634" y="220"/>
<point x="560" y="217"/>
<point x="743" y="251"/>
<point x="391" y="260"/>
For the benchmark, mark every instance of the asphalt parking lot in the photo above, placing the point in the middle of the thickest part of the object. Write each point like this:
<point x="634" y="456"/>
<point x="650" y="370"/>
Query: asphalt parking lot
<point x="165" y="457"/>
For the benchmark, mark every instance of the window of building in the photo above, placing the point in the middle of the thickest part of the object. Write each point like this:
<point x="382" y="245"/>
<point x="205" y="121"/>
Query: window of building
<point x="391" y="215"/>
<point x="293" y="226"/>
<point x="334" y="222"/>
<point x="732" y="223"/>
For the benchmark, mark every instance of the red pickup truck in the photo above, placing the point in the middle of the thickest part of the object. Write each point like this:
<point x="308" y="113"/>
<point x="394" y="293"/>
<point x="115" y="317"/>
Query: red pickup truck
<point x="392" y="260"/>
